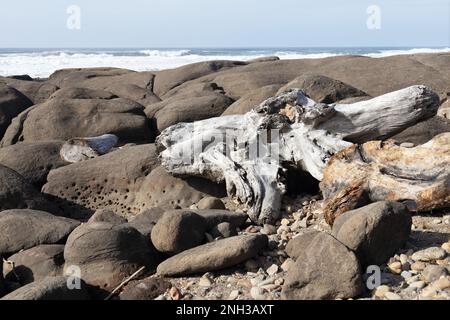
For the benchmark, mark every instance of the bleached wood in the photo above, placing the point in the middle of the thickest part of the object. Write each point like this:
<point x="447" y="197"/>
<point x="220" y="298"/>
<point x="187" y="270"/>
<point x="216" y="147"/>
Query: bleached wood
<point x="303" y="133"/>
<point x="81" y="149"/>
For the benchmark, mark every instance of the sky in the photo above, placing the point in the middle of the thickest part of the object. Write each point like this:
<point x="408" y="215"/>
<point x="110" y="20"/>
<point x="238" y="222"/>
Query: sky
<point x="226" y="23"/>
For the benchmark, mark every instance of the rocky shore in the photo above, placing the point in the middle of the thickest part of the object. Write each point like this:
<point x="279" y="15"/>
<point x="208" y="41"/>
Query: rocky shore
<point x="90" y="210"/>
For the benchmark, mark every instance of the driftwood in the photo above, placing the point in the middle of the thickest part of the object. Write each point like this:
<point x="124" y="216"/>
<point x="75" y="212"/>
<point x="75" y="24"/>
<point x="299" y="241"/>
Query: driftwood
<point x="376" y="170"/>
<point x="81" y="149"/>
<point x="250" y="152"/>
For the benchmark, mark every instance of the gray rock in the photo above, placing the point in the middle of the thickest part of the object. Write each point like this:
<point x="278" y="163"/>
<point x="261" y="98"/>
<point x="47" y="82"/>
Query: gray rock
<point x="145" y="221"/>
<point x="252" y="99"/>
<point x="375" y="232"/>
<point x="18" y="193"/>
<point x="12" y="102"/>
<point x="33" y="161"/>
<point x="35" y="264"/>
<point x="434" y="272"/>
<point x="168" y="79"/>
<point x="223" y="230"/>
<point x="107" y="253"/>
<point x="177" y="231"/>
<point x="210" y="203"/>
<point x="36" y="91"/>
<point x="325" y="270"/>
<point x="146" y="289"/>
<point x="188" y="108"/>
<point x="423" y="131"/>
<point x="25" y="228"/>
<point x="323" y="89"/>
<point x="63" y="119"/>
<point x="108" y="216"/>
<point x="214" y="217"/>
<point x="429" y="254"/>
<point x="136" y="86"/>
<point x="111" y="181"/>
<point x="49" y="288"/>
<point x="214" y="256"/>
<point x="298" y="245"/>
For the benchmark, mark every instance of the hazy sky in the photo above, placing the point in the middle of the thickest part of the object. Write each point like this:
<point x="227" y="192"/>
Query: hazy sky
<point x="226" y="23"/>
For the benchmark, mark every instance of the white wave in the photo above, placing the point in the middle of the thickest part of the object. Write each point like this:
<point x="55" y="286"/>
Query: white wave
<point x="42" y="64"/>
<point x="387" y="53"/>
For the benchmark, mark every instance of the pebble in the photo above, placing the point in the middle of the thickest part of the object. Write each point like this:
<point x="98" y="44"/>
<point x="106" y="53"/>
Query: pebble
<point x="380" y="291"/>
<point x="285" y="222"/>
<point x="267" y="281"/>
<point x="174" y="293"/>
<point x="407" y="145"/>
<point x="273" y="269"/>
<point x="288" y="263"/>
<point x="269" y="229"/>
<point x="392" y="296"/>
<point x="205" y="282"/>
<point x="442" y="283"/>
<point x="257" y="280"/>
<point x="257" y="293"/>
<point x="413" y="279"/>
<point x="395" y="267"/>
<point x="446" y="247"/>
<point x="403" y="259"/>
<point x="418" y="266"/>
<point x="417" y="284"/>
<point x="234" y="295"/>
<point x="252" y="229"/>
<point x="432" y="273"/>
<point x="437" y="221"/>
<point x="406" y="275"/>
<point x="303" y="223"/>
<point x="429" y="254"/>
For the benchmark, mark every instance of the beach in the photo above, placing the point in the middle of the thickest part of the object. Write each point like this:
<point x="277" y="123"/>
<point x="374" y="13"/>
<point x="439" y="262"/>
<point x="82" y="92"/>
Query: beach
<point x="90" y="182"/>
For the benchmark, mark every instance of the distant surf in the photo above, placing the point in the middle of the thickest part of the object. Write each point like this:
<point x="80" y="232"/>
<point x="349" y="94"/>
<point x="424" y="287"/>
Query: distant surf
<point x="42" y="62"/>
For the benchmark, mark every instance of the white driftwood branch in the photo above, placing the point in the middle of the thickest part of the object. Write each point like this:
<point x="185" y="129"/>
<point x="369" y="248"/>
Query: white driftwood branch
<point x="81" y="149"/>
<point x="249" y="151"/>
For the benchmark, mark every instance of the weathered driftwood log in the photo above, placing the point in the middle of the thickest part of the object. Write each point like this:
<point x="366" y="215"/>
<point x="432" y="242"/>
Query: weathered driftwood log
<point x="249" y="152"/>
<point x="376" y="170"/>
<point x="81" y="149"/>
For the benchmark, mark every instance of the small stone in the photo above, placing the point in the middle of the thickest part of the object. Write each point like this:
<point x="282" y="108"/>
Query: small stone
<point x="406" y="275"/>
<point x="287" y="264"/>
<point x="303" y="223"/>
<point x="418" y="266"/>
<point x="269" y="229"/>
<point x="392" y="296"/>
<point x="257" y="293"/>
<point x="429" y="292"/>
<point x="273" y="269"/>
<point x="446" y="247"/>
<point x="380" y="291"/>
<point x="403" y="258"/>
<point x="417" y="284"/>
<point x="407" y="145"/>
<point x="429" y="254"/>
<point x="175" y="294"/>
<point x="234" y="295"/>
<point x="442" y="283"/>
<point x="210" y="203"/>
<point x="285" y="222"/>
<point x="205" y="282"/>
<point x="413" y="279"/>
<point x="279" y="281"/>
<point x="437" y="221"/>
<point x="257" y="280"/>
<point x="271" y="287"/>
<point x="395" y="267"/>
<point x="432" y="273"/>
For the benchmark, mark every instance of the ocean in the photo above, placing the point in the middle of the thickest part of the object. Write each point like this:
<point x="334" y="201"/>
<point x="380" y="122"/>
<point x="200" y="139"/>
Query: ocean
<point x="42" y="62"/>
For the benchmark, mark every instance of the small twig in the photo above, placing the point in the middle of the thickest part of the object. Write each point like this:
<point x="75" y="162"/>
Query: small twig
<point x="124" y="283"/>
